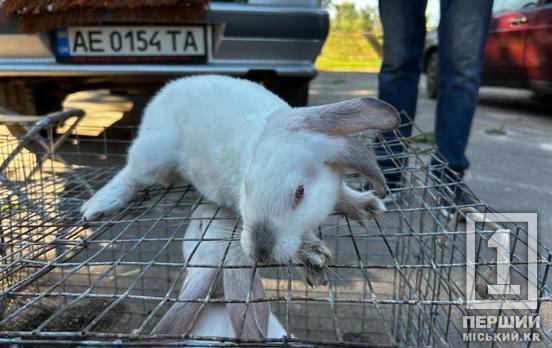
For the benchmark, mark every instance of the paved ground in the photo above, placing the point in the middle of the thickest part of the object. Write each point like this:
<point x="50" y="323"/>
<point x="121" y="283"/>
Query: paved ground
<point x="510" y="146"/>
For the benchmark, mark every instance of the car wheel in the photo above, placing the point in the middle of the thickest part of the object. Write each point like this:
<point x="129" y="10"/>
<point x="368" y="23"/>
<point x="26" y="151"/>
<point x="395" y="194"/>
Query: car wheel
<point x="542" y="97"/>
<point x="48" y="97"/>
<point x="294" y="90"/>
<point x="431" y="75"/>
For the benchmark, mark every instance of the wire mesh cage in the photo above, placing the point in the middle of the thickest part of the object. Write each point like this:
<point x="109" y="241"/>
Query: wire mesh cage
<point x="397" y="280"/>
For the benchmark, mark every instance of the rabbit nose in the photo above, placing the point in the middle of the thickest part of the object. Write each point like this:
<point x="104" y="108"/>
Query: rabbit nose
<point x="262" y="254"/>
<point x="262" y="240"/>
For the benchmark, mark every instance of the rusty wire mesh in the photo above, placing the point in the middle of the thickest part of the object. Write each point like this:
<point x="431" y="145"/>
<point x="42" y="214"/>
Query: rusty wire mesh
<point x="397" y="281"/>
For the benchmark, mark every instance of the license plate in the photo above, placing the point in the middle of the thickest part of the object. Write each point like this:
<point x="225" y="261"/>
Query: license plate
<point x="131" y="44"/>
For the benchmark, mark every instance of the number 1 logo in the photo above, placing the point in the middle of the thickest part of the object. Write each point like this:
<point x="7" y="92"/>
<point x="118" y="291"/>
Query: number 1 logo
<point x="500" y="240"/>
<point x="504" y="295"/>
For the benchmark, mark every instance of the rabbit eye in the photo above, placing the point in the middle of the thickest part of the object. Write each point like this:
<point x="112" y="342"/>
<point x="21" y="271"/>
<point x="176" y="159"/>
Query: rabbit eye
<point x="299" y="194"/>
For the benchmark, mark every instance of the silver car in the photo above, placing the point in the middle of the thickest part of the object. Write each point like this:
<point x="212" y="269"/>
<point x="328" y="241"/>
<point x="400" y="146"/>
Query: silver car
<point x="275" y="42"/>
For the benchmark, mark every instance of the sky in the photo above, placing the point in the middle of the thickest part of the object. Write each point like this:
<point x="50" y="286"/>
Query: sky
<point x="432" y="8"/>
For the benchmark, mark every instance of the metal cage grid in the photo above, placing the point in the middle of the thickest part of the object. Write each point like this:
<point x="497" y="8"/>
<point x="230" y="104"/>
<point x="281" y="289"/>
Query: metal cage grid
<point x="399" y="280"/>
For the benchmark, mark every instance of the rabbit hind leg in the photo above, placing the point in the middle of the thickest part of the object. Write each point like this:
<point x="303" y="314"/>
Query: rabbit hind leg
<point x="150" y="161"/>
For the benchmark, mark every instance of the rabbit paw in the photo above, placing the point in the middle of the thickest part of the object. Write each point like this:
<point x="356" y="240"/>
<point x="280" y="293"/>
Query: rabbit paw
<point x="359" y="206"/>
<point x="106" y="201"/>
<point x="316" y="257"/>
<point x="95" y="207"/>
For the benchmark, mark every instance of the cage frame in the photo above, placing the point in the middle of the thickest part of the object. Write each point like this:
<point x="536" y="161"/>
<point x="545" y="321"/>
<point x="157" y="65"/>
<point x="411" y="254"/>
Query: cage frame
<point x="419" y="181"/>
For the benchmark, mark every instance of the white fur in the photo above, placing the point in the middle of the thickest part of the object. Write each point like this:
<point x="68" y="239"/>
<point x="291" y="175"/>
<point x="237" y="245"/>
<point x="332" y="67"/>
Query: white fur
<point x="214" y="321"/>
<point x="228" y="137"/>
<point x="203" y="127"/>
<point x="203" y="246"/>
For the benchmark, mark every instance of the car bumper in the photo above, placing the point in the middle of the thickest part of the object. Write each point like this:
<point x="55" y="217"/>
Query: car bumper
<point x="246" y="38"/>
<point x="49" y="67"/>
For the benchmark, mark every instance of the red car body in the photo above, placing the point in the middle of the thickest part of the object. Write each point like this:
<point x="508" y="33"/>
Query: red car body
<point x="518" y="52"/>
<point x="519" y="46"/>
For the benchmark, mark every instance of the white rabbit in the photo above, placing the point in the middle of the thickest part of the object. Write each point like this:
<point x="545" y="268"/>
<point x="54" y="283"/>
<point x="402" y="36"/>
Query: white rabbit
<point x="206" y="243"/>
<point x="244" y="148"/>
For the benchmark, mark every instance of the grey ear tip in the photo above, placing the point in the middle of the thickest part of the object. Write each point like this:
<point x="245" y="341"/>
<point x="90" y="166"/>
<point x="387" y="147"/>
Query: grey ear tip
<point x="387" y="111"/>
<point x="393" y="111"/>
<point x="397" y="119"/>
<point x="381" y="192"/>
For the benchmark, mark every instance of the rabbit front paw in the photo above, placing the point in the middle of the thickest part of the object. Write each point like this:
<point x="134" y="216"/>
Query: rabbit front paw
<point x="359" y="206"/>
<point x="315" y="256"/>
<point x="106" y="201"/>
<point x="97" y="206"/>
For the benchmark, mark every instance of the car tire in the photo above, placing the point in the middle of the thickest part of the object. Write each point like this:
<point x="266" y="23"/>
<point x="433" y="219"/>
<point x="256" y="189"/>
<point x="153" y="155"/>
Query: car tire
<point x="48" y="97"/>
<point x="431" y="75"/>
<point x="542" y="97"/>
<point x="294" y="90"/>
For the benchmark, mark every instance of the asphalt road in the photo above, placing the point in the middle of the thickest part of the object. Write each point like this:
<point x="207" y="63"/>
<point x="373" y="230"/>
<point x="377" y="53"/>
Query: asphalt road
<point x="510" y="145"/>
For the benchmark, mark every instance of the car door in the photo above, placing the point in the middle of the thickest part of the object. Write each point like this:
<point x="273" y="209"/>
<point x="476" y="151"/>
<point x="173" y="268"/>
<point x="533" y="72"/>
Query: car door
<point x="538" y="46"/>
<point x="505" y="49"/>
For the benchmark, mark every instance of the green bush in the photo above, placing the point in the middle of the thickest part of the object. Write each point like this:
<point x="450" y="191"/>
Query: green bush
<point x="349" y="18"/>
<point x="347" y="47"/>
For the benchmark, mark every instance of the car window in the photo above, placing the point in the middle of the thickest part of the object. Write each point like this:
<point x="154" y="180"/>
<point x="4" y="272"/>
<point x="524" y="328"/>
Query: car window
<point x="512" y="5"/>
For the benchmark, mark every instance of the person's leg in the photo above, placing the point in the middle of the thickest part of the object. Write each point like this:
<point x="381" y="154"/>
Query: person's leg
<point x="463" y="31"/>
<point x="403" y="24"/>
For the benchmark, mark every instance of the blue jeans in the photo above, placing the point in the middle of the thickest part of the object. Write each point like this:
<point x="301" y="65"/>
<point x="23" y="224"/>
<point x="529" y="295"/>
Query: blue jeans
<point x="462" y="33"/>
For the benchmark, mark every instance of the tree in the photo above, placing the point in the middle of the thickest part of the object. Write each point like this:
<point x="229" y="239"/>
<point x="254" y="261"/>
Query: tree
<point x="349" y="19"/>
<point x="367" y="16"/>
<point x="346" y="16"/>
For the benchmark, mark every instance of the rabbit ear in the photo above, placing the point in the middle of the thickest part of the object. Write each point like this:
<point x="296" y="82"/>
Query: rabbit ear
<point x="178" y="319"/>
<point x="237" y="284"/>
<point x="361" y="158"/>
<point x="345" y="117"/>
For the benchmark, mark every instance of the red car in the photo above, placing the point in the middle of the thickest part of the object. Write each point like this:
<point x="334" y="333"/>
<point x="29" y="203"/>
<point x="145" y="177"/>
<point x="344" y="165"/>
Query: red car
<point x="518" y="51"/>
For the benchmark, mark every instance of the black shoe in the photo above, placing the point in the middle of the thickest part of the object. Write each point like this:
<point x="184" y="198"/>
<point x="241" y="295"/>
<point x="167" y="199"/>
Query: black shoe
<point x="450" y="185"/>
<point x="455" y="196"/>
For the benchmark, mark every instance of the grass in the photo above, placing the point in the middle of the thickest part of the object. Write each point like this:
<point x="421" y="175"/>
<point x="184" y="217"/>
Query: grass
<point x="496" y="131"/>
<point x="423" y="138"/>
<point x="348" y="50"/>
